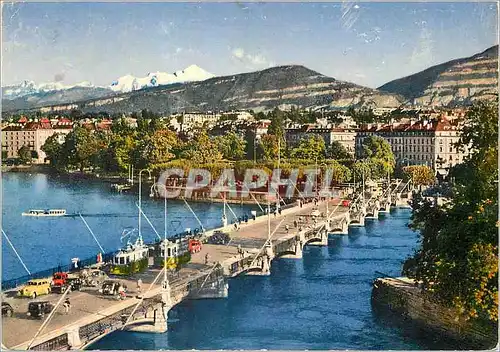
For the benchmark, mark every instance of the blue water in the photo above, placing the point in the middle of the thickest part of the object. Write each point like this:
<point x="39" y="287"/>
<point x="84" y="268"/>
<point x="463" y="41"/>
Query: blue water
<point x="319" y="302"/>
<point x="45" y="243"/>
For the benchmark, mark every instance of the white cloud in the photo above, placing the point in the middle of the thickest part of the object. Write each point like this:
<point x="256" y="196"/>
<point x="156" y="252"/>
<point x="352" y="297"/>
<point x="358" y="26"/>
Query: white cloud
<point x="239" y="53"/>
<point x="251" y="60"/>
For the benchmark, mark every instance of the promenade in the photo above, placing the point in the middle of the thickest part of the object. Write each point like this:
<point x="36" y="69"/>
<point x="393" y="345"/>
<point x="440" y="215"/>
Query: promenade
<point x="89" y="306"/>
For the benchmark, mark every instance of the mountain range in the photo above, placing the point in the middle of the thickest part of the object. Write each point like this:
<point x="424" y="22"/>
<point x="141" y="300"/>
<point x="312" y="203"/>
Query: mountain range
<point x="457" y="82"/>
<point x="130" y="83"/>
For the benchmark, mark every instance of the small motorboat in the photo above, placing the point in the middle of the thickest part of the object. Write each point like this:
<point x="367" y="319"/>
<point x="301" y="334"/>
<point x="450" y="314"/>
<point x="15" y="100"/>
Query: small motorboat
<point x="47" y="212"/>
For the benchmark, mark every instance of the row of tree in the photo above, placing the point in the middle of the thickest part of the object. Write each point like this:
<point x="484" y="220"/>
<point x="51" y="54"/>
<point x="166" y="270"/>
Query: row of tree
<point x="153" y="145"/>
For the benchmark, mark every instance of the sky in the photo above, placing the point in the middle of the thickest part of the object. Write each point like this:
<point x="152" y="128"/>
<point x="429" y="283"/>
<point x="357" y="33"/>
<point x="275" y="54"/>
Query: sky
<point x="365" y="43"/>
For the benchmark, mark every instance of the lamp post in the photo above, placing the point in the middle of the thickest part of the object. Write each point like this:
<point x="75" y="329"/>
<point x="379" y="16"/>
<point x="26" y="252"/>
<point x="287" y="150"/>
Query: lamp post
<point x="165" y="277"/>
<point x="140" y="194"/>
<point x="327" y="196"/>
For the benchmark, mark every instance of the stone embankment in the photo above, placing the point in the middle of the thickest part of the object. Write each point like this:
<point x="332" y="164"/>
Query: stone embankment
<point x="404" y="298"/>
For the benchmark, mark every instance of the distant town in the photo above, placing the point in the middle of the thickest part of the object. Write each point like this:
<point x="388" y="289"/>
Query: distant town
<point x="417" y="136"/>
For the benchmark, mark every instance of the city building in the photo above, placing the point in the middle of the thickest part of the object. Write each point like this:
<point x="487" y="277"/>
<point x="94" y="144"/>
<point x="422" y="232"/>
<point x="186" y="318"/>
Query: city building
<point x="33" y="135"/>
<point x="345" y="136"/>
<point x="189" y="120"/>
<point x="430" y="143"/>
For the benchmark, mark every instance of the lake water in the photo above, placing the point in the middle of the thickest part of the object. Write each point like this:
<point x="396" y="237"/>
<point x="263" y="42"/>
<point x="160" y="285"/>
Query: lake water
<point x="319" y="302"/>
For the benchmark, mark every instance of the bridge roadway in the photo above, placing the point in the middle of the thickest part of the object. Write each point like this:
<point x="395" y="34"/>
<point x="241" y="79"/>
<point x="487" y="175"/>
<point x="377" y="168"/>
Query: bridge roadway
<point x="89" y="306"/>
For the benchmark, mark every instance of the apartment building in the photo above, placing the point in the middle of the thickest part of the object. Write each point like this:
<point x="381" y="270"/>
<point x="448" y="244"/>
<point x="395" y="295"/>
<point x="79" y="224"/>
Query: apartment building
<point x="418" y="143"/>
<point x="345" y="136"/>
<point x="193" y="119"/>
<point x="33" y="135"/>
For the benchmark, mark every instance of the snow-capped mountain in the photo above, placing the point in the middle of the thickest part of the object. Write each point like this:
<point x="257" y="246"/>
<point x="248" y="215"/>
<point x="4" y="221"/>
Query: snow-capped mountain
<point x="29" y="87"/>
<point x="130" y="83"/>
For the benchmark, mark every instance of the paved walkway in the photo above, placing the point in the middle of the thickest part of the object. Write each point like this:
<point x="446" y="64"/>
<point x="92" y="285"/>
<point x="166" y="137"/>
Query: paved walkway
<point x="89" y="304"/>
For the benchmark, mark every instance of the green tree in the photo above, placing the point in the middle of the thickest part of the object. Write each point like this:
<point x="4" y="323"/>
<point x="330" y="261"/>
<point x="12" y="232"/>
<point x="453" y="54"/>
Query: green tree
<point x="231" y="146"/>
<point x="378" y="152"/>
<point x="250" y="144"/>
<point x="53" y="149"/>
<point x="80" y="148"/>
<point x="202" y="150"/>
<point x="458" y="258"/>
<point x="268" y="147"/>
<point x="24" y="154"/>
<point x="361" y="169"/>
<point x="420" y="175"/>
<point x="337" y="151"/>
<point x="276" y="126"/>
<point x="161" y="146"/>
<point x="310" y="148"/>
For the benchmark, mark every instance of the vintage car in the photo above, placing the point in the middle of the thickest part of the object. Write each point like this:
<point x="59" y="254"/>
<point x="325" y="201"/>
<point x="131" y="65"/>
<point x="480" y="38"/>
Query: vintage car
<point x="75" y="283"/>
<point x="93" y="277"/>
<point x="58" y="284"/>
<point x="39" y="309"/>
<point x="35" y="288"/>
<point x="219" y="237"/>
<point x="7" y="309"/>
<point x="112" y="287"/>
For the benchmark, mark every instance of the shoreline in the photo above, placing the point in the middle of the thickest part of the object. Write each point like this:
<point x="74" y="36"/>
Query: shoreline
<point x="403" y="299"/>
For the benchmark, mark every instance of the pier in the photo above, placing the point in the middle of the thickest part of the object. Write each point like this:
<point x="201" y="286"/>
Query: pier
<point x="253" y="247"/>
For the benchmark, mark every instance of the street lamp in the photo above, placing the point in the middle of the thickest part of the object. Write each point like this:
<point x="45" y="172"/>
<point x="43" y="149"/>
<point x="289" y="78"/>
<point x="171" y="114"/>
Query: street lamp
<point x="165" y="279"/>
<point x="140" y="194"/>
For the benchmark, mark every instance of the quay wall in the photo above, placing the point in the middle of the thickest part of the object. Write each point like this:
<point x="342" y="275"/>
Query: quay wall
<point x="404" y="299"/>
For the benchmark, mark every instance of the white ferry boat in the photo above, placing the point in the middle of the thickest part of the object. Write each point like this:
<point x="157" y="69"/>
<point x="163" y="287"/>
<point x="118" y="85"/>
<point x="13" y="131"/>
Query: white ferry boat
<point x="47" y="212"/>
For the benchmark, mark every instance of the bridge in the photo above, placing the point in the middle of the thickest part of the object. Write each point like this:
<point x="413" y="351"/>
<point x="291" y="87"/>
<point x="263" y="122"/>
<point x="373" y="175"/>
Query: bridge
<point x="252" y="248"/>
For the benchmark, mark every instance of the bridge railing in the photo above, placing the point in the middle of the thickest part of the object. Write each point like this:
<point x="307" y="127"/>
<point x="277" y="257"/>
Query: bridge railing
<point x="103" y="326"/>
<point x="13" y="283"/>
<point x="57" y="343"/>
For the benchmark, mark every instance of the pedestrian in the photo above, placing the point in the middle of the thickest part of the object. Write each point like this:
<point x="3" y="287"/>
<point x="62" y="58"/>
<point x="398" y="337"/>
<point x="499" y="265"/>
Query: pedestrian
<point x="295" y="223"/>
<point x="287" y="228"/>
<point x="235" y="226"/>
<point x="275" y="213"/>
<point x="279" y="210"/>
<point x="139" y="285"/>
<point x="67" y="306"/>
<point x="206" y="259"/>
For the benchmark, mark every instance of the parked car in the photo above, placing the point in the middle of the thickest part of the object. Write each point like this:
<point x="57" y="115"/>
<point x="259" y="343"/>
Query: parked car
<point x="34" y="288"/>
<point x="59" y="282"/>
<point x="39" y="309"/>
<point x="111" y="287"/>
<point x="194" y="246"/>
<point x="93" y="277"/>
<point x="7" y="309"/>
<point x="75" y="283"/>
<point x="219" y="237"/>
